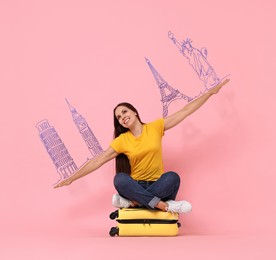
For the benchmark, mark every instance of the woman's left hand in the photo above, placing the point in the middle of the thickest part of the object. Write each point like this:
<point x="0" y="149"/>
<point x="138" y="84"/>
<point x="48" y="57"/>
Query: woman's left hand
<point x="216" y="89"/>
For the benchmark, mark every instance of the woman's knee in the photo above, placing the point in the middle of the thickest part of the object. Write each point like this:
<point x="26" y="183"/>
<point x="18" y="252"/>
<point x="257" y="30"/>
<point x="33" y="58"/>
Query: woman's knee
<point x="173" y="176"/>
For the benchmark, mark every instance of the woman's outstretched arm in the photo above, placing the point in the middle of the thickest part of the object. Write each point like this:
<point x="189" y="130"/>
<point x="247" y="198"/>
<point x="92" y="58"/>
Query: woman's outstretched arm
<point x="90" y="166"/>
<point x="180" y="115"/>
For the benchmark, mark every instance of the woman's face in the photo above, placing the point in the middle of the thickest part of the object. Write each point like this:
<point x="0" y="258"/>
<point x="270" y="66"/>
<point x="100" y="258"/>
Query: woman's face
<point x="125" y="116"/>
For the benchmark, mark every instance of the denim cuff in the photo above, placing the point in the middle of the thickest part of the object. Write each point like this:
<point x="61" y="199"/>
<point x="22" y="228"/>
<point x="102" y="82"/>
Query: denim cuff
<point x="154" y="202"/>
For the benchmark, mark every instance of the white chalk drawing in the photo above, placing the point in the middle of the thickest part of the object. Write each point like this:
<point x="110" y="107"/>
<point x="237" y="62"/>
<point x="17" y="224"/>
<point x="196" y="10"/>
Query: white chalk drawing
<point x="198" y="60"/>
<point x="85" y="131"/>
<point x="56" y="149"/>
<point x="164" y="87"/>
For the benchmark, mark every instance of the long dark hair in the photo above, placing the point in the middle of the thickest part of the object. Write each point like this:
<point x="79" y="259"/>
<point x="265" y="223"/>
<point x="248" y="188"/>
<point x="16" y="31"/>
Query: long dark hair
<point x="122" y="163"/>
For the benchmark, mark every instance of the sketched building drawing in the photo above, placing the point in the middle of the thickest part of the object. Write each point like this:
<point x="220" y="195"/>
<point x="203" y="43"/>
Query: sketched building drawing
<point x="85" y="131"/>
<point x="166" y="99"/>
<point x="60" y="156"/>
<point x="198" y="60"/>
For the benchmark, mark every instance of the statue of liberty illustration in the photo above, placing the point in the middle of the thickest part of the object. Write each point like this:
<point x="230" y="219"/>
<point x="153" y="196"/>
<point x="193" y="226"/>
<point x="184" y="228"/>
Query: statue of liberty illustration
<point x="198" y="60"/>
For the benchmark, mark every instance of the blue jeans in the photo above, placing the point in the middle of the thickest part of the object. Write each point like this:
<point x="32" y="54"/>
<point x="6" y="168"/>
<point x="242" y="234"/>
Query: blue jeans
<point x="147" y="193"/>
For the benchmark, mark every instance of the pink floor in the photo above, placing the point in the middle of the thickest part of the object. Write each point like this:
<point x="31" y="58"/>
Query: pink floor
<point x="90" y="240"/>
<point x="184" y="246"/>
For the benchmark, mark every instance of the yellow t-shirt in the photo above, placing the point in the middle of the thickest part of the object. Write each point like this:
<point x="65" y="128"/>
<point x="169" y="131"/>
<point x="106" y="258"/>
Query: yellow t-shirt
<point x="144" y="152"/>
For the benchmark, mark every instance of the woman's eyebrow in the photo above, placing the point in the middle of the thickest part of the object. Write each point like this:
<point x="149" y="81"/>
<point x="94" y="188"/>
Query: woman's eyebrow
<point x="119" y="114"/>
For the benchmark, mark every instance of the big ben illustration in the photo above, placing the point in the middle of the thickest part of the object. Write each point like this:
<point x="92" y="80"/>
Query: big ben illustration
<point x="85" y="131"/>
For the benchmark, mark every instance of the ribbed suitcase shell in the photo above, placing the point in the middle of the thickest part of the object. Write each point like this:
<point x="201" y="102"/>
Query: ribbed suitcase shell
<point x="144" y="222"/>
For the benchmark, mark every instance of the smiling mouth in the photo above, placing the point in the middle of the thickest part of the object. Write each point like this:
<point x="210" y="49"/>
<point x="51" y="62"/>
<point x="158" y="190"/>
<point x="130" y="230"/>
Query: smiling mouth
<point x="126" y="120"/>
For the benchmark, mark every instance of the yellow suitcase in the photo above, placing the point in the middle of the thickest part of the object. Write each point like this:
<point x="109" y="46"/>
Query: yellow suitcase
<point x="144" y="222"/>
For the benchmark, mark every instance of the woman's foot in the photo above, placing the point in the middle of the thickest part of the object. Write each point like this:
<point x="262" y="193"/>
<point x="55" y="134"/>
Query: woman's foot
<point x="181" y="206"/>
<point x="120" y="202"/>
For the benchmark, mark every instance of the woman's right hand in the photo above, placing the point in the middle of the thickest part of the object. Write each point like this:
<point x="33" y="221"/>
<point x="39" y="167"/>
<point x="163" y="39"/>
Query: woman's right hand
<point x="63" y="183"/>
<point x="89" y="166"/>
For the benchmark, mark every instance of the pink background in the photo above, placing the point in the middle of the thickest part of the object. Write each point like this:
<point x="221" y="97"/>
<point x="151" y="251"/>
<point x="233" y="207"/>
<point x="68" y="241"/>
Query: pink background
<point x="92" y="53"/>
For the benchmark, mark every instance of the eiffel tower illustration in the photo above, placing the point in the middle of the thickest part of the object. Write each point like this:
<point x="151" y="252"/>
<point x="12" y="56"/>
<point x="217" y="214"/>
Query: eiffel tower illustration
<point x="85" y="131"/>
<point x="163" y="85"/>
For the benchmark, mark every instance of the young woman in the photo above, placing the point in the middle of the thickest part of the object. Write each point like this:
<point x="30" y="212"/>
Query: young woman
<point x="140" y="179"/>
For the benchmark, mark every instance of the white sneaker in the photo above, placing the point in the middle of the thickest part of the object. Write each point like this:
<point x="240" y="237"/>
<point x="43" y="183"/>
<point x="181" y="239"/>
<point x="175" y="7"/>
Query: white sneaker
<point x="179" y="206"/>
<point x="120" y="202"/>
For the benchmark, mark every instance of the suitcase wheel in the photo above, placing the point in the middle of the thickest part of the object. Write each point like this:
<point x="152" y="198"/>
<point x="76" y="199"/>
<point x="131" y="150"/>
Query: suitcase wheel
<point x="114" y="214"/>
<point x="114" y="231"/>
